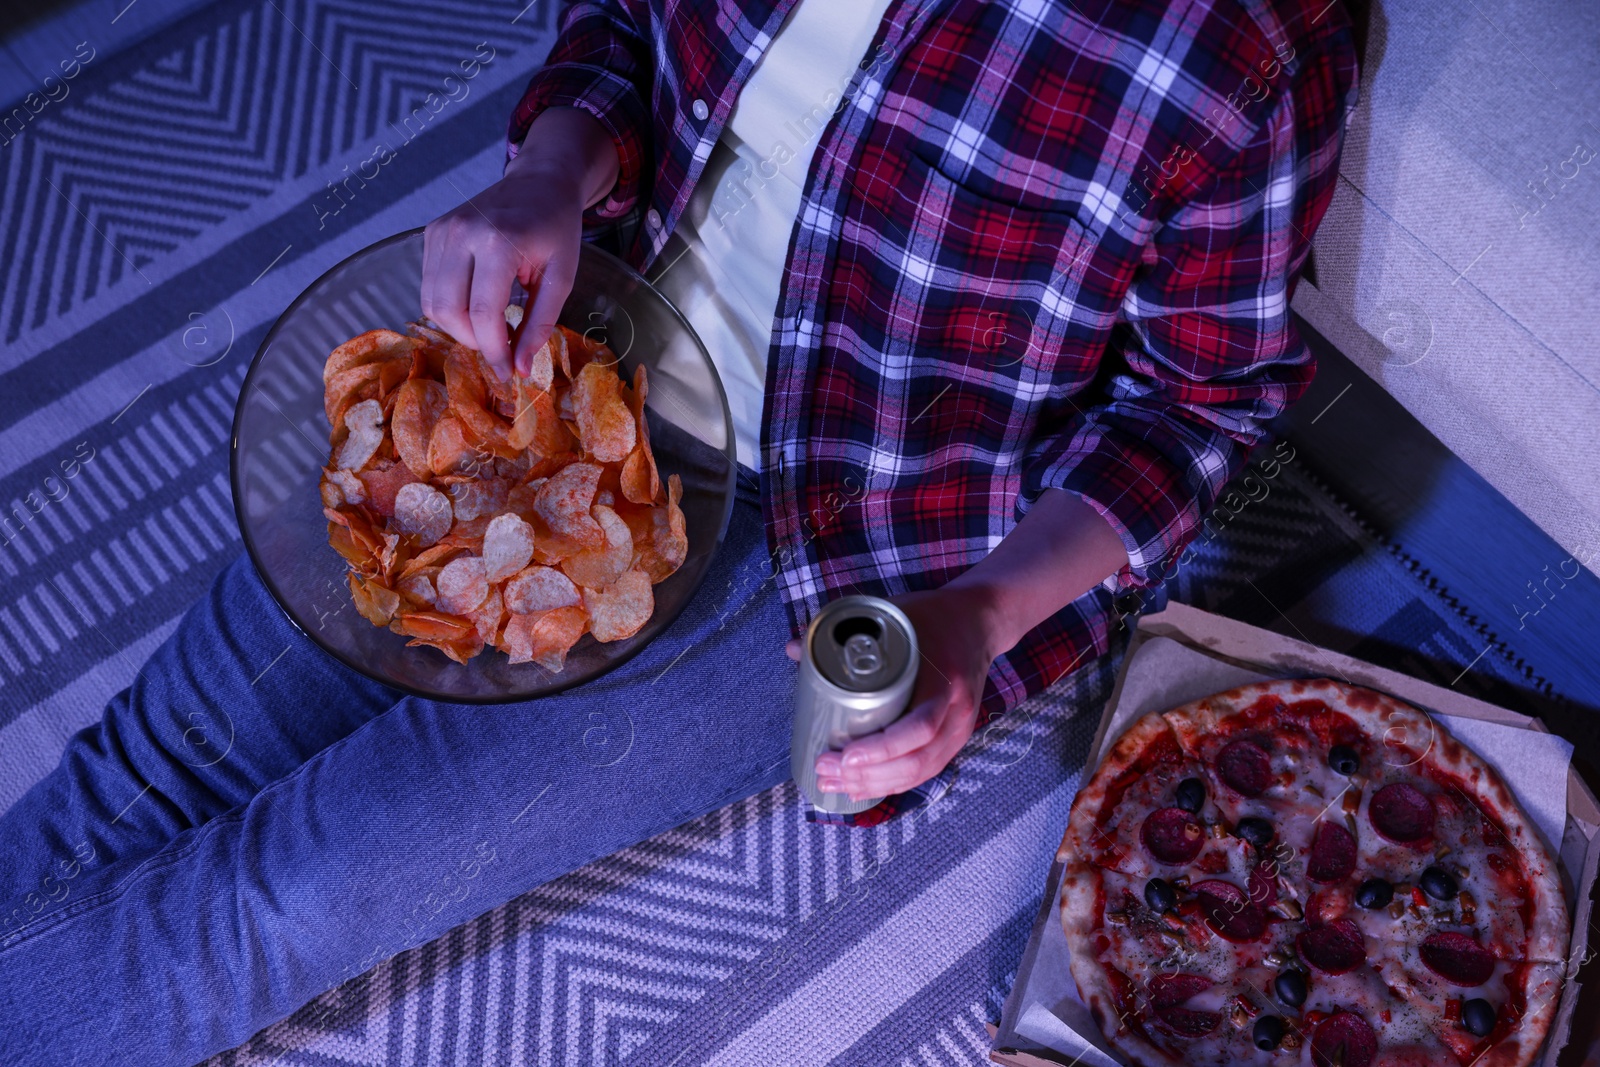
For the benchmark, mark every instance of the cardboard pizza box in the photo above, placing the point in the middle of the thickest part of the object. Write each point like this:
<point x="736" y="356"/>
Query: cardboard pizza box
<point x="1183" y="654"/>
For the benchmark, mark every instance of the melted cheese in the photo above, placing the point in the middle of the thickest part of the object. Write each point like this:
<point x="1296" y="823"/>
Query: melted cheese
<point x="1400" y="998"/>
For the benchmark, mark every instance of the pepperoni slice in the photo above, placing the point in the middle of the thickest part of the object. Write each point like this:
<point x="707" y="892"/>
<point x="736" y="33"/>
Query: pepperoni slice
<point x="1245" y="767"/>
<point x="1169" y="992"/>
<point x="1402" y="813"/>
<point x="1172" y="835"/>
<point x="1457" y="959"/>
<point x="1262" y="887"/>
<point x="1333" y="854"/>
<point x="1230" y="912"/>
<point x="1333" y="948"/>
<point x="1343" y="1038"/>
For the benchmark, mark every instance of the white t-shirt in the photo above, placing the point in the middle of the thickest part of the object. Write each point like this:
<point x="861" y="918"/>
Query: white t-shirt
<point x="738" y="221"/>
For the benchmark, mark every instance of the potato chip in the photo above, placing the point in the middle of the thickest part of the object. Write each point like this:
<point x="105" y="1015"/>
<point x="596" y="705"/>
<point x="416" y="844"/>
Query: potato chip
<point x="489" y="617"/>
<point x="359" y="523"/>
<point x="371" y="347"/>
<point x="542" y="370"/>
<point x="432" y="349"/>
<point x="520" y="499"/>
<point x="541" y="471"/>
<point x="464" y="382"/>
<point x="641" y="483"/>
<point x="434" y="625"/>
<point x="551" y="548"/>
<point x="392" y="374"/>
<point x="621" y="610"/>
<point x="660" y="538"/>
<point x="597" y="568"/>
<point x="389" y="554"/>
<point x="349" y="388"/>
<point x="514" y="314"/>
<point x="673" y="542"/>
<point x="354" y="554"/>
<point x="376" y="602"/>
<point x="478" y="498"/>
<point x="523" y="419"/>
<point x="347" y="487"/>
<point x="365" y="423"/>
<point x="507" y="546"/>
<point x="561" y="350"/>
<point x="418" y="588"/>
<point x="424" y="331"/>
<point x="539" y="588"/>
<point x="544" y="638"/>
<point x="433" y="557"/>
<point x="585" y="348"/>
<point x="516" y="639"/>
<point x="418" y="406"/>
<point x="554" y="634"/>
<point x="514" y="471"/>
<point x="501" y="393"/>
<point x="475" y="511"/>
<point x="458" y="648"/>
<point x="538" y="428"/>
<point x="448" y="450"/>
<point x="462" y="585"/>
<point x="605" y="425"/>
<point x="423" y="512"/>
<point x="468" y="533"/>
<point x="381" y="482"/>
<point x="563" y="502"/>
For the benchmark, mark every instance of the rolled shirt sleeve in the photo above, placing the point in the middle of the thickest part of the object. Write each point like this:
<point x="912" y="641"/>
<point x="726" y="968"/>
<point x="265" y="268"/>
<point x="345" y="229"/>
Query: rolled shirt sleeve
<point x="600" y="63"/>
<point x="1208" y="351"/>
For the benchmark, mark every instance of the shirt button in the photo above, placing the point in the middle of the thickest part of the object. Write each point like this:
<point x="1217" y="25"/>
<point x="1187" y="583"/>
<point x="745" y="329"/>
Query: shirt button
<point x="652" y="219"/>
<point x="700" y="110"/>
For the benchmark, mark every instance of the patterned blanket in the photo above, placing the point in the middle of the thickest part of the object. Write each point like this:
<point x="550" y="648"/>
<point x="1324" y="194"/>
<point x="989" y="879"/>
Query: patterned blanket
<point x="157" y="217"/>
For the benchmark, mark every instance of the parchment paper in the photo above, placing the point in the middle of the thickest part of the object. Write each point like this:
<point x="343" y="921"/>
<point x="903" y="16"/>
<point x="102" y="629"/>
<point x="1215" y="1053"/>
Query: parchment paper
<point x="1162" y="674"/>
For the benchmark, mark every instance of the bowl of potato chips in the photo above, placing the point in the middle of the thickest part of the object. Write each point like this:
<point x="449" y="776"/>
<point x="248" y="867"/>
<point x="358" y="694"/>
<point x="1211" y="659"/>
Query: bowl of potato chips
<point x="469" y="539"/>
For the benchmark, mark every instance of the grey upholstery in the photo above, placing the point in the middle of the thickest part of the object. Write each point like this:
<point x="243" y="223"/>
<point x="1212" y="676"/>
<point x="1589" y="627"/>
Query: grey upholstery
<point x="1457" y="264"/>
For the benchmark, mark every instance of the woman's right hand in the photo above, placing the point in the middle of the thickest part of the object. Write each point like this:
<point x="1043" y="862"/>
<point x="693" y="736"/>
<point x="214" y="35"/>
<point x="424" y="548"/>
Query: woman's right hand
<point x="527" y="226"/>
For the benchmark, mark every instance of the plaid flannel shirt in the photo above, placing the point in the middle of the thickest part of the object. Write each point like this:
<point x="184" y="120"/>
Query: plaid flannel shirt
<point x="1041" y="245"/>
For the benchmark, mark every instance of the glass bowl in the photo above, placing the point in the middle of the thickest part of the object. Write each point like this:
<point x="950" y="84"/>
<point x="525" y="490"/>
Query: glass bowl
<point x="280" y="444"/>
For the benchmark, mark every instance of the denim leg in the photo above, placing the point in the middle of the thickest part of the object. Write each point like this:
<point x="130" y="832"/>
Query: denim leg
<point x="236" y="698"/>
<point x="419" y="819"/>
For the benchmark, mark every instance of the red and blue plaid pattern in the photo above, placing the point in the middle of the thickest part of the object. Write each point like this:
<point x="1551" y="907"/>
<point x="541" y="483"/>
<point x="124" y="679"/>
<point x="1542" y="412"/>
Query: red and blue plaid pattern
<point x="1041" y="245"/>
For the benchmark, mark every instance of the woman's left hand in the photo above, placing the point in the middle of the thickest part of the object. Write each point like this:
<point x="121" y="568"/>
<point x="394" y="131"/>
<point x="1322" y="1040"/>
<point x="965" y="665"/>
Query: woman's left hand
<point x="956" y="638"/>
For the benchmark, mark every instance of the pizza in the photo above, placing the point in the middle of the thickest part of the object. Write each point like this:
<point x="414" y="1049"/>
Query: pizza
<point x="1308" y="872"/>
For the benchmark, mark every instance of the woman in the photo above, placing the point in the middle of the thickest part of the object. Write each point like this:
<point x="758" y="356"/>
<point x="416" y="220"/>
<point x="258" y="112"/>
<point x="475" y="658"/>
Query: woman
<point x="1000" y="295"/>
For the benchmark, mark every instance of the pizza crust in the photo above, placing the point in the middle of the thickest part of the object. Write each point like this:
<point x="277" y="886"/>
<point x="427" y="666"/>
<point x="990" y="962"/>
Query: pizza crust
<point x="1407" y="735"/>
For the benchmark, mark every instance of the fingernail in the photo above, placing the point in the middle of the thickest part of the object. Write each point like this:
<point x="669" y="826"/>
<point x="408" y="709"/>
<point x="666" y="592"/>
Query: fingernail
<point x="830" y="785"/>
<point x="854" y="759"/>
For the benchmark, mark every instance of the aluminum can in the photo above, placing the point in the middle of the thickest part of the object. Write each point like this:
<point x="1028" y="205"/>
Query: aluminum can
<point x="857" y="668"/>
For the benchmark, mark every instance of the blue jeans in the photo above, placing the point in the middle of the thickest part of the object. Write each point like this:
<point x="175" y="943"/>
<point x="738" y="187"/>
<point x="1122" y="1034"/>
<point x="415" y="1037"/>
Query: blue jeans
<point x="252" y="824"/>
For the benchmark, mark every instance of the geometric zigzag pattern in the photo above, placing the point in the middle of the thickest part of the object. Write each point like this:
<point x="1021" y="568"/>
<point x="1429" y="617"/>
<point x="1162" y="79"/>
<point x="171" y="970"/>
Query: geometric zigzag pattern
<point x="148" y="506"/>
<point x="269" y="90"/>
<point x="585" y="970"/>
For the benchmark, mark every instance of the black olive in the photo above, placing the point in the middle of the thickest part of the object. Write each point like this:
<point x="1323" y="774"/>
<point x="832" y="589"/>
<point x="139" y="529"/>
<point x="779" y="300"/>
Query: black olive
<point x="1268" y="1032"/>
<point x="1374" y="893"/>
<point x="1256" y="831"/>
<point x="1159" y="894"/>
<point x="1291" y="988"/>
<point x="1439" y="884"/>
<point x="1191" y="794"/>
<point x="1344" y="760"/>
<point x="1478" y="1016"/>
